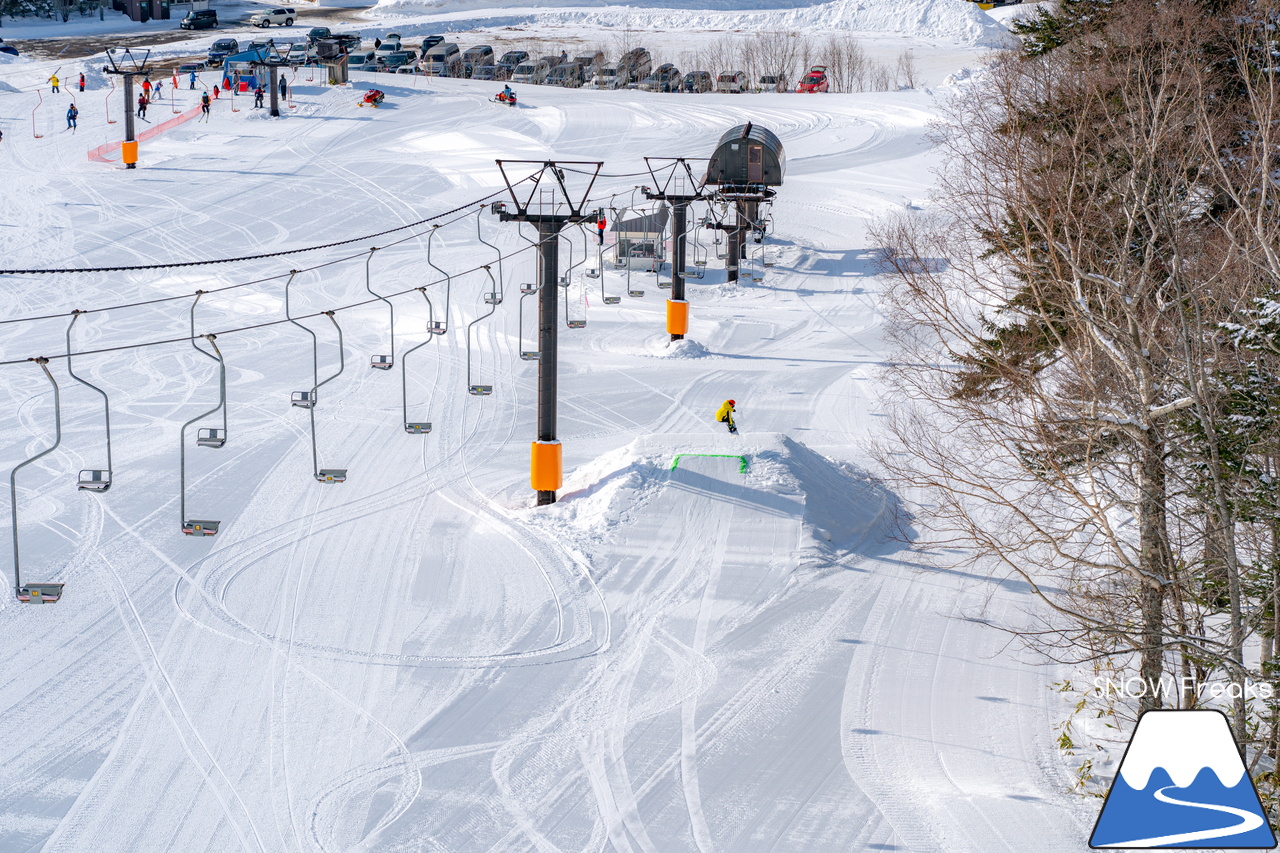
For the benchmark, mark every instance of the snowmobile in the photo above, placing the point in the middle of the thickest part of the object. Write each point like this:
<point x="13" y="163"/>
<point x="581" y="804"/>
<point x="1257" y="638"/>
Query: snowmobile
<point x="373" y="98"/>
<point x="504" y="98"/>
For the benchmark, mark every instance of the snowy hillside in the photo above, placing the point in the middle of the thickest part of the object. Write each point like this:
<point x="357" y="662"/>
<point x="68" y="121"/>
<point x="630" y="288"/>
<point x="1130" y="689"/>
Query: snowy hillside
<point x="736" y="650"/>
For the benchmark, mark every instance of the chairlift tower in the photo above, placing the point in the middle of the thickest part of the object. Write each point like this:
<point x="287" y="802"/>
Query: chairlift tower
<point x="125" y="63"/>
<point x="271" y="58"/>
<point x="550" y="207"/>
<point x="680" y="188"/>
<point x="748" y="162"/>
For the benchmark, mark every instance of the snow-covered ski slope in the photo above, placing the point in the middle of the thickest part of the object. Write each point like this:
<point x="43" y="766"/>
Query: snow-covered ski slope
<point x="416" y="660"/>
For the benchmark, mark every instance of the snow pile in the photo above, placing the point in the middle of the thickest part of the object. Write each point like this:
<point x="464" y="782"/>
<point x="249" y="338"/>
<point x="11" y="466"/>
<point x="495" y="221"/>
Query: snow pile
<point x="681" y="349"/>
<point x="844" y="507"/>
<point x="947" y="21"/>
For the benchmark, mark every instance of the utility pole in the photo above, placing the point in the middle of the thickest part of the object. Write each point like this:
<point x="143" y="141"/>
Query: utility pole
<point x="553" y="209"/>
<point x="126" y="64"/>
<point x="680" y="188"/>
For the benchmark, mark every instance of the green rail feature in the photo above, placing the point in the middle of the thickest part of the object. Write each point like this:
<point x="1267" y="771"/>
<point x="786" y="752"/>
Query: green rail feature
<point x="742" y="468"/>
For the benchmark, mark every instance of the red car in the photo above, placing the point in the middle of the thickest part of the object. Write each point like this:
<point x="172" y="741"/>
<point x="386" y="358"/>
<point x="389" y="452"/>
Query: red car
<point x="814" y="81"/>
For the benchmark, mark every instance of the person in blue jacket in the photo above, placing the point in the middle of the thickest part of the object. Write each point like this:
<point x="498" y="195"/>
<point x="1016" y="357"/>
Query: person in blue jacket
<point x="72" y="115"/>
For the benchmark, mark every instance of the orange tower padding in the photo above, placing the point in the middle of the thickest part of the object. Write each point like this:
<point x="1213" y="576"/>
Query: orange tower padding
<point x="546" y="466"/>
<point x="677" y="317"/>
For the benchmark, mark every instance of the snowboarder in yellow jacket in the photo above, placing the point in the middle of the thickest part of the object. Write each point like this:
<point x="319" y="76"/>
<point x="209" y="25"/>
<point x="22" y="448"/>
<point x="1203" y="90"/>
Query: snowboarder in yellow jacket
<point x="724" y="414"/>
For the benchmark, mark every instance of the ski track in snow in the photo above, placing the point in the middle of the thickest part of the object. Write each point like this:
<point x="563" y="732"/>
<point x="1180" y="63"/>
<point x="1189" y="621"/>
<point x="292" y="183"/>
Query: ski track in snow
<point x="414" y="659"/>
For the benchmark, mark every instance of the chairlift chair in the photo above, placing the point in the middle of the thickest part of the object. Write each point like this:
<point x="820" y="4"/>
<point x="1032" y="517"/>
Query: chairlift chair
<point x="634" y="292"/>
<point x="417" y="429"/>
<point x="382" y="362"/>
<point x="612" y="300"/>
<point x="332" y="475"/>
<point x="436" y="327"/>
<point x="530" y="355"/>
<point x="40" y="593"/>
<point x="211" y="437"/>
<point x="577" y="324"/>
<point x="200" y="527"/>
<point x="303" y="399"/>
<point x="493" y="297"/>
<point x="480" y="390"/>
<point x="94" y="480"/>
<point x="528" y="287"/>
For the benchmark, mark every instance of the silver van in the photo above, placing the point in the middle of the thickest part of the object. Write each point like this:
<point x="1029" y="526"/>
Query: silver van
<point x="531" y="72"/>
<point x="443" y="60"/>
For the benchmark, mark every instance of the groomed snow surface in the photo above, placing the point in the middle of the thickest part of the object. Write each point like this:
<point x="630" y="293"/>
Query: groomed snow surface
<point x="417" y="660"/>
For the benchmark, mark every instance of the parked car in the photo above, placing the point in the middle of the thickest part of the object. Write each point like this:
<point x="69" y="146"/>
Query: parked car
<point x="665" y="79"/>
<point x="316" y="33"/>
<point x="511" y="59"/>
<point x="443" y="60"/>
<point x="481" y="54"/>
<point x="487" y="72"/>
<point x="393" y="62"/>
<point x="773" y="83"/>
<point x="221" y="49"/>
<point x="8" y="48"/>
<point x="608" y="77"/>
<point x="589" y="62"/>
<point x="202" y="19"/>
<point x="430" y="42"/>
<point x="635" y="65"/>
<point x="189" y="67"/>
<point x="361" y="60"/>
<point x="697" y="81"/>
<point x="282" y="16"/>
<point x="297" y="54"/>
<point x="814" y="81"/>
<point x="388" y="47"/>
<point x="531" y="72"/>
<point x="567" y="75"/>
<point x="732" y="82"/>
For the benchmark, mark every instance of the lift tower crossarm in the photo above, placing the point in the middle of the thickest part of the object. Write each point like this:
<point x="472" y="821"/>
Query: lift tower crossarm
<point x="677" y="306"/>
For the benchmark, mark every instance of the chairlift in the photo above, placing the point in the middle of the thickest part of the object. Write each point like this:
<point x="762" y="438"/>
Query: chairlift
<point x="200" y="527"/>
<point x="528" y="287"/>
<point x="414" y="427"/>
<point x="567" y="278"/>
<point x="493" y="298"/>
<point x="196" y="527"/>
<point x="576" y="324"/>
<point x="303" y="399"/>
<point x="474" y="388"/>
<point x="94" y="480"/>
<point x="434" y="326"/>
<point x="332" y="475"/>
<point x="526" y="290"/>
<point x="612" y="300"/>
<point x="381" y="362"/>
<point x="635" y="292"/>
<point x="530" y="355"/>
<point x="35" y="593"/>
<point x="494" y="294"/>
<point x="40" y="593"/>
<point x="211" y="437"/>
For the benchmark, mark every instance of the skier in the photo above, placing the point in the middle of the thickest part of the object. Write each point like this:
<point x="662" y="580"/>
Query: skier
<point x="54" y="81"/>
<point x="155" y="91"/>
<point x="72" y="114"/>
<point x="215" y="91"/>
<point x="142" y="106"/>
<point x="257" y="96"/>
<point x="724" y="415"/>
<point x="506" y="96"/>
<point x="146" y="88"/>
<point x="82" y="81"/>
<point x="192" y="80"/>
<point x="284" y="90"/>
<point x="204" y="106"/>
<point x="600" y="230"/>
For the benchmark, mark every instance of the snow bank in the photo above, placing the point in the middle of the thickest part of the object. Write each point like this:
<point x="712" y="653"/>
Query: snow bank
<point x="951" y="21"/>
<point x="844" y="507"/>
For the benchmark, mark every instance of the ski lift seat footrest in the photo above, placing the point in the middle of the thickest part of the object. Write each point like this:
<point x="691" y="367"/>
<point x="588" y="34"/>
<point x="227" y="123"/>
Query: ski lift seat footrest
<point x="200" y="527"/>
<point x="94" y="480"/>
<point x="332" y="475"/>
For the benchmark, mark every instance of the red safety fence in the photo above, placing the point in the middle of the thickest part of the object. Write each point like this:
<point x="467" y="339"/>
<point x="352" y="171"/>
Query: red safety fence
<point x="100" y="154"/>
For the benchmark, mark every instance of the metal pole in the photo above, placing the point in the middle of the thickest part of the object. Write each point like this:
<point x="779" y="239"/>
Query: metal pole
<point x="678" y="210"/>
<point x="548" y="330"/>
<point x="182" y="434"/>
<point x="106" y="403"/>
<point x="128" y="114"/>
<point x="13" y="475"/>
<point x="275" y="98"/>
<point x="735" y="243"/>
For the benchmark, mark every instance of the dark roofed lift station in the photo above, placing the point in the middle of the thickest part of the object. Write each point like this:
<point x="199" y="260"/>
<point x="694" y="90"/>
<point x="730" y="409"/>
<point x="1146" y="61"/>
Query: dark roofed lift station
<point x="747" y="162"/>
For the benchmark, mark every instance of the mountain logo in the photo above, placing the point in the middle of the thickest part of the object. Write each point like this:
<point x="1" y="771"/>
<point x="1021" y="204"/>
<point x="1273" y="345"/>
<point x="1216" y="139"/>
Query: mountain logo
<point x="1182" y="784"/>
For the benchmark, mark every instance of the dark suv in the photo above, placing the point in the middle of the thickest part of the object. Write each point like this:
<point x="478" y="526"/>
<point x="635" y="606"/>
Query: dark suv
<point x="204" y="19"/>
